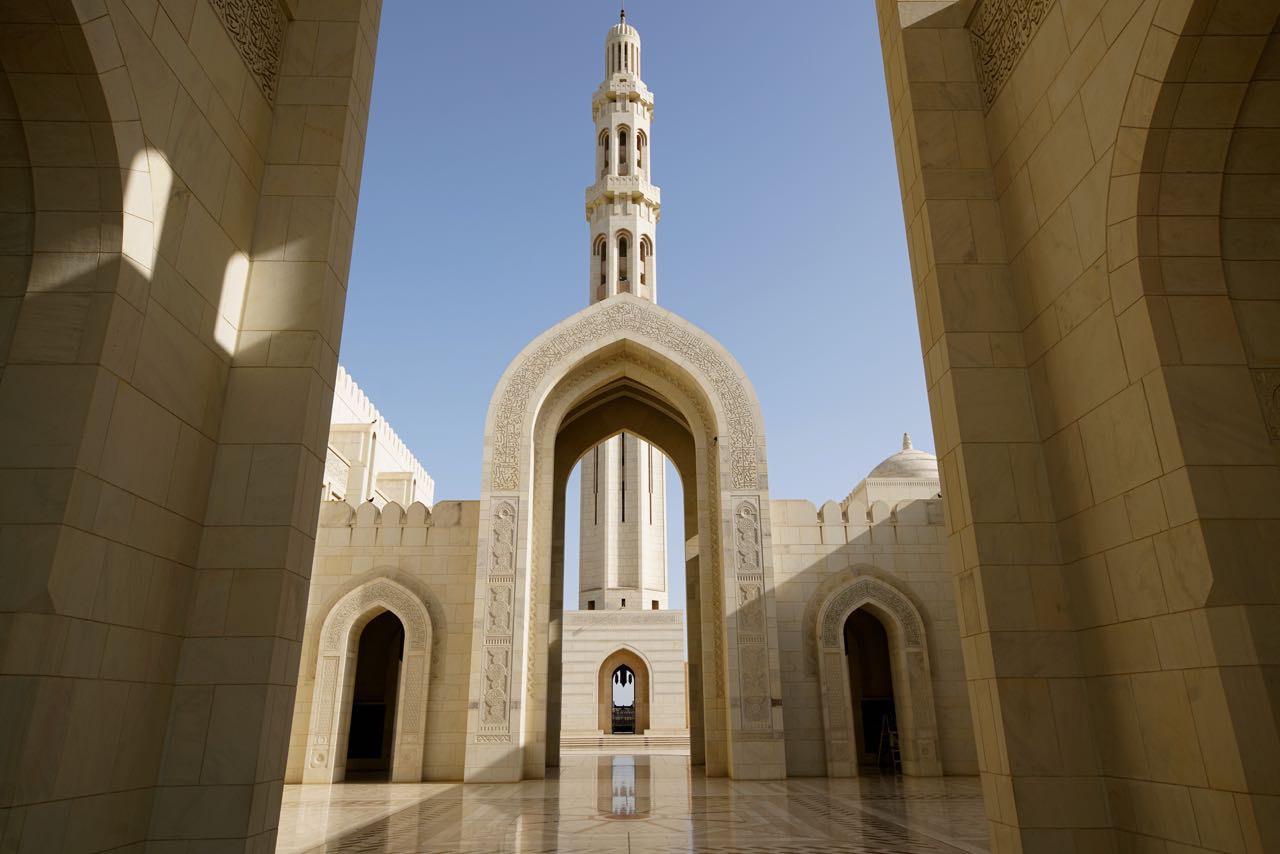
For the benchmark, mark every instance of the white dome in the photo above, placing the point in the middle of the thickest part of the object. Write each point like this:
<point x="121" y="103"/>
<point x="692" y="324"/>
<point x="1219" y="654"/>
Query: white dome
<point x="622" y="31"/>
<point x="908" y="464"/>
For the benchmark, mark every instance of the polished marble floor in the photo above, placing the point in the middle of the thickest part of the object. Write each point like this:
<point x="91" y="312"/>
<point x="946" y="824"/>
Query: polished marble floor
<point x="638" y="804"/>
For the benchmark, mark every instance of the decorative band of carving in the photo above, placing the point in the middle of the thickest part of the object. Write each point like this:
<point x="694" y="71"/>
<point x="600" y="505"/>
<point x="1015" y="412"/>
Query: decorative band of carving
<point x="753" y="647"/>
<point x="1000" y="31"/>
<point x="861" y="592"/>
<point x="499" y="617"/>
<point x="381" y="592"/>
<point x="645" y="323"/>
<point x="257" y="29"/>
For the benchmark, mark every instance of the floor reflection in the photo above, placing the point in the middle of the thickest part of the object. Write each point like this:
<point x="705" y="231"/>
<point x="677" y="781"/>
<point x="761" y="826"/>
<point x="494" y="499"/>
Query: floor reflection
<point x="638" y="803"/>
<point x="624" y="783"/>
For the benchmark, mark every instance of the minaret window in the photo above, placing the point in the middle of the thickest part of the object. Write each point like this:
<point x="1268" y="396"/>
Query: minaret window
<point x="642" y="142"/>
<point x="624" y="263"/>
<point x="601" y="251"/>
<point x="624" y="158"/>
<point x="603" y="151"/>
<point x="646" y="259"/>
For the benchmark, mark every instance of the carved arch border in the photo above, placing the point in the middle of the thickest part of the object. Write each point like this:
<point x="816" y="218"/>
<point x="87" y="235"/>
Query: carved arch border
<point x="338" y="642"/>
<point x="623" y="316"/>
<point x="626" y="360"/>
<point x="909" y="662"/>
<point x="504" y="741"/>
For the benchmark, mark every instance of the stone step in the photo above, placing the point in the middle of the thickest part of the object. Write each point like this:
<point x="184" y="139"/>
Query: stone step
<point x="625" y="744"/>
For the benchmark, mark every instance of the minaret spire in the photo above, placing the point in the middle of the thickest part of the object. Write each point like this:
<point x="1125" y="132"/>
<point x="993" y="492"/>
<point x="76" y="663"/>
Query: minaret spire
<point x="622" y="205"/>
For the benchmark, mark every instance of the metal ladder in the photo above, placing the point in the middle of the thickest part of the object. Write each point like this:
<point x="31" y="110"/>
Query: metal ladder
<point x="889" y="744"/>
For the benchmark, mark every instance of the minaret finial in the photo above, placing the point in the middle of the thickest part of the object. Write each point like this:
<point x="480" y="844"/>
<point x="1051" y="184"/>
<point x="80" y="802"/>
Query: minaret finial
<point x="906" y="441"/>
<point x="622" y="16"/>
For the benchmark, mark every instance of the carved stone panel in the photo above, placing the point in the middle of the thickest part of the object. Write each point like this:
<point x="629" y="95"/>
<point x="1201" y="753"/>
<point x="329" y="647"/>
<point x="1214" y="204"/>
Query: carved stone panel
<point x="646" y="323"/>
<point x="499" y="621"/>
<point x="1000" y="31"/>
<point x="753" y="642"/>
<point x="859" y="593"/>
<point x="256" y="28"/>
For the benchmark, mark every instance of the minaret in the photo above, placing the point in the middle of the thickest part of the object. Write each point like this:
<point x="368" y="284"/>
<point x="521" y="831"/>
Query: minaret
<point x="622" y="204"/>
<point x="623" y="528"/>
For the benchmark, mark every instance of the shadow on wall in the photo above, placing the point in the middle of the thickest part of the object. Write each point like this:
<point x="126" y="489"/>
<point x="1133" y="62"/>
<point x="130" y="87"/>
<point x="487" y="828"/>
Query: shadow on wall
<point x="127" y="226"/>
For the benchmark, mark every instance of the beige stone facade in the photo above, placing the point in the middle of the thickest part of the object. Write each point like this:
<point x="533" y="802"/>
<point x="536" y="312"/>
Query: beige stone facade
<point x="1093" y="234"/>
<point x="1089" y="194"/>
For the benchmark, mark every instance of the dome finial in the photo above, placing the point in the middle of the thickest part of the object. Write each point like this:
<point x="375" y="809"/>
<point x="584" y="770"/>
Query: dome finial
<point x="906" y="441"/>
<point x="622" y="16"/>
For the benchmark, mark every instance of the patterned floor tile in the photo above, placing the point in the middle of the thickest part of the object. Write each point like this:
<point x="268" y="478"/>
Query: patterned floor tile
<point x="629" y="804"/>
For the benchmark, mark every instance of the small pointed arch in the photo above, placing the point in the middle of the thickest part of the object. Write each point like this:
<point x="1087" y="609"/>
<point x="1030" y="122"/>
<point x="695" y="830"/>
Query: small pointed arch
<point x="600" y="251"/>
<point x="646" y="259"/>
<point x="624" y="249"/>
<point x="876" y="594"/>
<point x="624" y="148"/>
<point x="642" y="148"/>
<point x="334" y="680"/>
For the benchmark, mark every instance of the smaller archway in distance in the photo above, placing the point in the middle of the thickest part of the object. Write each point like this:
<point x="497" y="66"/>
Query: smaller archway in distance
<point x="624" y="701"/>
<point x="373" y="698"/>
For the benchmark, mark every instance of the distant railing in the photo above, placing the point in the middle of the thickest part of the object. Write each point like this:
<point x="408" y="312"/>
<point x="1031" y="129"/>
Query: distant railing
<point x="624" y="720"/>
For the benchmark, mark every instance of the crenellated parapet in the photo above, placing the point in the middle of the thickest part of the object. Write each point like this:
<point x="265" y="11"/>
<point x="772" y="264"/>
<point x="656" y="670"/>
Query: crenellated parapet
<point x="354" y="415"/>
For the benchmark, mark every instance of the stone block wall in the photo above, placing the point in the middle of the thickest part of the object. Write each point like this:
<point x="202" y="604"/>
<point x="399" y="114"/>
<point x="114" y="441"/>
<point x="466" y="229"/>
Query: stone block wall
<point x="908" y="549"/>
<point x="1093" y="241"/>
<point x="174" y="266"/>
<point x="589" y="637"/>
<point x="432" y="554"/>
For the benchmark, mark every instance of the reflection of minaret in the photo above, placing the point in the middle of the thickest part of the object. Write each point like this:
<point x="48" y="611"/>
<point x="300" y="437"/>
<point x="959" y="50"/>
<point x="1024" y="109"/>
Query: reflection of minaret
<point x="623" y="560"/>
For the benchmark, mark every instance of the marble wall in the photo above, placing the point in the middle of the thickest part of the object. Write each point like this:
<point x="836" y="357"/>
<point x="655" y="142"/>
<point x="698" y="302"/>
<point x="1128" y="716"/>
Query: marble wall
<point x="175" y="251"/>
<point x="1093" y="244"/>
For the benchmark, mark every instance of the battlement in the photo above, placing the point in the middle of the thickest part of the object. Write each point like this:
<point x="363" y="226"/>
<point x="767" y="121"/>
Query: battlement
<point x="359" y="409"/>
<point x="443" y="514"/>
<point x="908" y="511"/>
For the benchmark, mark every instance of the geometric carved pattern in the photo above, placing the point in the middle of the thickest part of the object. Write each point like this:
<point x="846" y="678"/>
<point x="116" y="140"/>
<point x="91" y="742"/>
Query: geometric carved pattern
<point x="1000" y="30"/>
<point x="257" y="29"/>
<point x="1268" y="385"/>
<point x="499" y="623"/>
<point x="382" y="592"/>
<point x="644" y="322"/>
<point x="861" y="592"/>
<point x="753" y="648"/>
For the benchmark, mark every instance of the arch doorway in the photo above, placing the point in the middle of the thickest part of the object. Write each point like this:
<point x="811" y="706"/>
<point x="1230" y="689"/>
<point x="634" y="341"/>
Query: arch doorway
<point x="866" y="649"/>
<point x="373" y="698"/>
<point x="369" y="703"/>
<point x="624" y="365"/>
<point x="622" y="694"/>
<point x="873" y="664"/>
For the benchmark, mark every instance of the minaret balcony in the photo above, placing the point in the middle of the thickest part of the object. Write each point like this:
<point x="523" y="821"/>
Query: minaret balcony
<point x="630" y="186"/>
<point x="625" y="87"/>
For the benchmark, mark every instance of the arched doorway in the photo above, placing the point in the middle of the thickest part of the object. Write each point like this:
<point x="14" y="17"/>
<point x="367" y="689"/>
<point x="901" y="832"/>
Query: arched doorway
<point x="624" y="364"/>
<point x="866" y="649"/>
<point x="372" y="711"/>
<point x="852" y="654"/>
<point x="623" y="694"/>
<point x="378" y="627"/>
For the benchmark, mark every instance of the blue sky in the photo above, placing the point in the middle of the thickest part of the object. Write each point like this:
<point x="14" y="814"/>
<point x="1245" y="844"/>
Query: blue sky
<point x="781" y="231"/>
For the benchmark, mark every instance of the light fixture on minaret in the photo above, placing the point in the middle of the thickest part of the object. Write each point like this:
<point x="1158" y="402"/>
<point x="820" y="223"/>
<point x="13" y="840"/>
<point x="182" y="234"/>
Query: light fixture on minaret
<point x="622" y="205"/>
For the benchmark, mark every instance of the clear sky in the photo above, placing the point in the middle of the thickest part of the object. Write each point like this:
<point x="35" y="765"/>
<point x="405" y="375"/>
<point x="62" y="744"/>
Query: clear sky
<point x="781" y="231"/>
